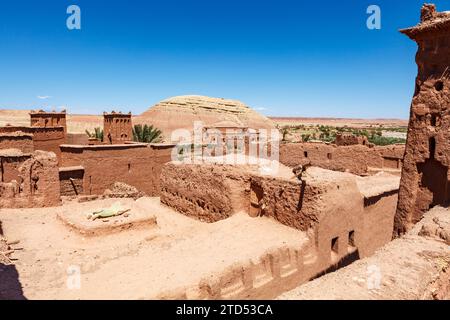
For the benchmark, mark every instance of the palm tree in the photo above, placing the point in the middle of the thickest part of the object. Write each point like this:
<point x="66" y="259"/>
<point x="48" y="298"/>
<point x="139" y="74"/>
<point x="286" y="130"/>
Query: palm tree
<point x="146" y="133"/>
<point x="97" y="134"/>
<point x="284" y="132"/>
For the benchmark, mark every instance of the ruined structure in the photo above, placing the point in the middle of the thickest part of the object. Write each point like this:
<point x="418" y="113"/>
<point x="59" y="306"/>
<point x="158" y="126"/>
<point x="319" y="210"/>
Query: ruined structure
<point x="348" y="139"/>
<point x="43" y="138"/>
<point x="28" y="179"/>
<point x="425" y="175"/>
<point x="43" y="119"/>
<point x="117" y="127"/>
<point x="95" y="168"/>
<point x="356" y="159"/>
<point x="344" y="217"/>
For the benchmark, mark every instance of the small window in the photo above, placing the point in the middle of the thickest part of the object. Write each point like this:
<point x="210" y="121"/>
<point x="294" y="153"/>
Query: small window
<point x="329" y="156"/>
<point x="129" y="167"/>
<point x="439" y="85"/>
<point x="432" y="146"/>
<point x="335" y="245"/>
<point x="305" y="153"/>
<point x="433" y="120"/>
<point x="351" y="238"/>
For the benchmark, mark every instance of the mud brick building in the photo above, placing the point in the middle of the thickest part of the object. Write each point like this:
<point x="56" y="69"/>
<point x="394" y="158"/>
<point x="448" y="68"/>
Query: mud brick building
<point x="425" y="176"/>
<point x="117" y="127"/>
<point x="45" y="119"/>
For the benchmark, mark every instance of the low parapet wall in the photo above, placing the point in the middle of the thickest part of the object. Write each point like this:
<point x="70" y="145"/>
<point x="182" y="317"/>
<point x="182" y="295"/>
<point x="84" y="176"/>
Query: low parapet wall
<point x="356" y="159"/>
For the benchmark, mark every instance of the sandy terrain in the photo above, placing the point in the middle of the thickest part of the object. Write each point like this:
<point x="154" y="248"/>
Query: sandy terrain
<point x="412" y="267"/>
<point x="79" y="123"/>
<point x="179" y="253"/>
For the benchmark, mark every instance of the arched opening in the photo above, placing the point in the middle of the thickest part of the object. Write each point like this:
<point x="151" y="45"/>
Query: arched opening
<point x="256" y="195"/>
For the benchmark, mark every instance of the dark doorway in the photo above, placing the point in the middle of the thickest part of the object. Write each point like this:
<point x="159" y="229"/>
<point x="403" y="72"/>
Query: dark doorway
<point x="434" y="177"/>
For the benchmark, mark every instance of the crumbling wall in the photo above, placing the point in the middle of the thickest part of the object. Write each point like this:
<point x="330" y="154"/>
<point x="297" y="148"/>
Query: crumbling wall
<point x="17" y="140"/>
<point x="425" y="175"/>
<point x="349" y="139"/>
<point x="354" y="159"/>
<point x="392" y="155"/>
<point x="207" y="192"/>
<point x="138" y="165"/>
<point x="71" y="181"/>
<point x="44" y="138"/>
<point x="287" y="201"/>
<point x="330" y="206"/>
<point x="31" y="182"/>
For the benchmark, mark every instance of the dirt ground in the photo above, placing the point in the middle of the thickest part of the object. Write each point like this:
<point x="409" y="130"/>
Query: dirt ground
<point x="416" y="266"/>
<point x="132" y="264"/>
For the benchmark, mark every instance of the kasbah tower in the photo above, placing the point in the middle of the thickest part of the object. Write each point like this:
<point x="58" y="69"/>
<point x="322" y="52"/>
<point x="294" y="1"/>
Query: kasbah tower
<point x="425" y="176"/>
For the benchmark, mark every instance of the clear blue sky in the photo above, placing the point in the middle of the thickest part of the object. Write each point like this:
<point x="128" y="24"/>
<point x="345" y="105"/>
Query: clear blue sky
<point x="286" y="58"/>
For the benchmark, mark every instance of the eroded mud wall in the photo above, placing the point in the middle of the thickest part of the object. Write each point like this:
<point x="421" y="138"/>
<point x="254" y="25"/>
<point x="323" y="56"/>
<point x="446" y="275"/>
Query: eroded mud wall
<point x="425" y="175"/>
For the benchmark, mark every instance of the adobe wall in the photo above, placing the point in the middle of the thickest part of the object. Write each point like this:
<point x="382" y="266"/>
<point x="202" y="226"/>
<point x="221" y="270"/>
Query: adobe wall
<point x="45" y="119"/>
<point x="117" y="127"/>
<point x="77" y="138"/>
<point x="71" y="181"/>
<point x="17" y="140"/>
<point x="49" y="139"/>
<point x="347" y="139"/>
<point x="425" y="175"/>
<point x="392" y="155"/>
<point x="138" y="165"/>
<point x="356" y="159"/>
<point x="28" y="180"/>
<point x="44" y="138"/>
<point x="345" y="220"/>
<point x="378" y="211"/>
<point x="207" y="192"/>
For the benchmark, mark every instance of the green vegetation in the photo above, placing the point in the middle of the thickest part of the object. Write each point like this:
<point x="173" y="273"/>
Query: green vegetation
<point x="328" y="133"/>
<point x="97" y="134"/>
<point x="384" y="141"/>
<point x="146" y="133"/>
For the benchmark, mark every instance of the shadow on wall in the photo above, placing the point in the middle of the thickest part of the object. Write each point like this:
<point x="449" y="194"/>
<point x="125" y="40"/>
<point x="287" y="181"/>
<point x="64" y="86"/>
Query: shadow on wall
<point x="10" y="286"/>
<point x="345" y="261"/>
<point x="302" y="196"/>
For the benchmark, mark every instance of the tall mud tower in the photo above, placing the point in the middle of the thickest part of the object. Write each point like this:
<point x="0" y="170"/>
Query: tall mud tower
<point x="117" y="127"/>
<point x="425" y="175"/>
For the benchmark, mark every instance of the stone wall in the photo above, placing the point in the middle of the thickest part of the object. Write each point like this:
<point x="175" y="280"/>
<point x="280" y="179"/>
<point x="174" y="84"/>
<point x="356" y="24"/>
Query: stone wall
<point x="138" y="165"/>
<point x="425" y="175"/>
